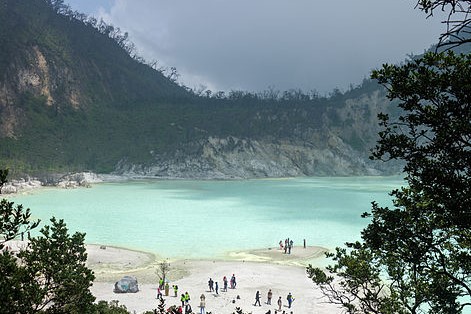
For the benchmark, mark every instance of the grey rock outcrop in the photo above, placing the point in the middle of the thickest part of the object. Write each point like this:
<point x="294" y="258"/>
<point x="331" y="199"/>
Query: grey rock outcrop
<point x="236" y="158"/>
<point x="21" y="185"/>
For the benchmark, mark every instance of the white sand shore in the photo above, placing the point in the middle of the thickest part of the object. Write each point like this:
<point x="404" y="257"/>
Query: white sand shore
<point x="255" y="270"/>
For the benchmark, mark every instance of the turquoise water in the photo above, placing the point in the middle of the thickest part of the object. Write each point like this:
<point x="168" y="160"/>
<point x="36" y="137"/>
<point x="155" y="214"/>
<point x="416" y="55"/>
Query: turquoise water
<point x="205" y="219"/>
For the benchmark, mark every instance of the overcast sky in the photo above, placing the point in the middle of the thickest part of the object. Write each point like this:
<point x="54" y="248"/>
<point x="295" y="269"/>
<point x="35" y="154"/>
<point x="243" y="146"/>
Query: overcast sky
<point x="254" y="44"/>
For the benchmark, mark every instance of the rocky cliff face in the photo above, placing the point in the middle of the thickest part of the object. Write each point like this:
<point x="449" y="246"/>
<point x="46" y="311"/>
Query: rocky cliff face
<point x="235" y="158"/>
<point x="35" y="75"/>
<point x="336" y="148"/>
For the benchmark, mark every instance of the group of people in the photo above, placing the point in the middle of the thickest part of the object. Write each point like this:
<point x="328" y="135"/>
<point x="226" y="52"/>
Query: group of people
<point x="289" y="298"/>
<point x="185" y="307"/>
<point x="163" y="285"/>
<point x="185" y="299"/>
<point x="288" y="245"/>
<point x="214" y="286"/>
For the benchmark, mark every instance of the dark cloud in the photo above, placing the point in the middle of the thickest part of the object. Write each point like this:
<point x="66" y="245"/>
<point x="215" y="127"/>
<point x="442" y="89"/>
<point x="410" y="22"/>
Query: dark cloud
<point x="250" y="45"/>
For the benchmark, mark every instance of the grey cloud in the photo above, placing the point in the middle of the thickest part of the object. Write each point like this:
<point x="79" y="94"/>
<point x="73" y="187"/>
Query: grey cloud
<point x="250" y="45"/>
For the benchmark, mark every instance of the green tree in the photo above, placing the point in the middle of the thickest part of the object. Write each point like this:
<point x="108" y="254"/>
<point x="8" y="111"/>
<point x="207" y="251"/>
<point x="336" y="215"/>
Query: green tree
<point x="416" y="256"/>
<point x="47" y="276"/>
<point x="113" y="307"/>
<point x="14" y="219"/>
<point x="55" y="262"/>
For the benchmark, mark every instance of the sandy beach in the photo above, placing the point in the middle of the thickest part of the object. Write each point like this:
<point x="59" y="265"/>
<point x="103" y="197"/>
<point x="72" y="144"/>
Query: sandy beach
<point x="256" y="270"/>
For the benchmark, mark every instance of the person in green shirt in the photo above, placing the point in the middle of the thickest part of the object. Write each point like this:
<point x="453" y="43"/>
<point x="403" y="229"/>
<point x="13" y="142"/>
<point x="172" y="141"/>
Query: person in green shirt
<point x="187" y="303"/>
<point x="290" y="299"/>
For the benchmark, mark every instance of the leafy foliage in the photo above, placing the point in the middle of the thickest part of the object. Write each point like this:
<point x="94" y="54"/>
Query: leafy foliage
<point x="56" y="262"/>
<point x="48" y="275"/>
<point x="434" y="138"/>
<point x="113" y="307"/>
<point x="14" y="220"/>
<point x="416" y="257"/>
<point x="52" y="276"/>
<point x="161" y="306"/>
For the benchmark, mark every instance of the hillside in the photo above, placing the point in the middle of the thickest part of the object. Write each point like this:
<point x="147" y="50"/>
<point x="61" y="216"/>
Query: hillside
<point x="73" y="99"/>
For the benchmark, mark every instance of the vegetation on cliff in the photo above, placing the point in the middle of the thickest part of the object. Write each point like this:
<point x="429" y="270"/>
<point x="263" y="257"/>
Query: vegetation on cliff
<point x="75" y="96"/>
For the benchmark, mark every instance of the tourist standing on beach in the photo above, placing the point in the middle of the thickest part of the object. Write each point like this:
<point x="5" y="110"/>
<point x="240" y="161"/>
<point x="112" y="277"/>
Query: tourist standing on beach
<point x="210" y="284"/>
<point x="167" y="288"/>
<point x="224" y="280"/>
<point x="233" y="281"/>
<point x="280" y="303"/>
<point x="202" y="304"/>
<point x="290" y="246"/>
<point x="187" y="303"/>
<point x="269" y="296"/>
<point x="217" y="287"/>
<point x="290" y="299"/>
<point x="257" y="298"/>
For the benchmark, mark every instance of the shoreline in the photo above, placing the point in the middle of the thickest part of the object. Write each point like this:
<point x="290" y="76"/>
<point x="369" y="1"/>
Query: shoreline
<point x="88" y="179"/>
<point x="109" y="260"/>
<point x="30" y="184"/>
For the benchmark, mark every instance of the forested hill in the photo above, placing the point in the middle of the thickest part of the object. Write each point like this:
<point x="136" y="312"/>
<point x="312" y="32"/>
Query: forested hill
<point x="75" y="97"/>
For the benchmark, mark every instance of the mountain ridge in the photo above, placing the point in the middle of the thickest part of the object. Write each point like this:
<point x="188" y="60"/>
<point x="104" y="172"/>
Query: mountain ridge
<point x="73" y="99"/>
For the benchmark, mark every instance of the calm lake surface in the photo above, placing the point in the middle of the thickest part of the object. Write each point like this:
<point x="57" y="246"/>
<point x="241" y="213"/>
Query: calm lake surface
<point x="207" y="219"/>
